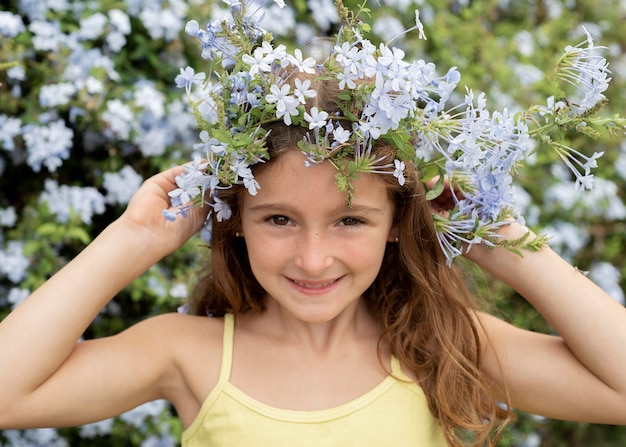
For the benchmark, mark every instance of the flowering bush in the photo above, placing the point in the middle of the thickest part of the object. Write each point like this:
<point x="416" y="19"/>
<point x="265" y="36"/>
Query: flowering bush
<point x="89" y="107"/>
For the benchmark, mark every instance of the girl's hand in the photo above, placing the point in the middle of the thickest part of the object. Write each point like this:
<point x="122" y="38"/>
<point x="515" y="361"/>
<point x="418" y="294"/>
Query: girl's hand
<point x="144" y="212"/>
<point x="443" y="203"/>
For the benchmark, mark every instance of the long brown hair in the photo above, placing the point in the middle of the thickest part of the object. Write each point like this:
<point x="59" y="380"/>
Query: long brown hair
<point x="429" y="317"/>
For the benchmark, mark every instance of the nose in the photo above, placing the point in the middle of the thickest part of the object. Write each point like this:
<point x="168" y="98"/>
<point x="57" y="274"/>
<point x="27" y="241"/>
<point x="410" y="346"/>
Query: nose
<point x="313" y="253"/>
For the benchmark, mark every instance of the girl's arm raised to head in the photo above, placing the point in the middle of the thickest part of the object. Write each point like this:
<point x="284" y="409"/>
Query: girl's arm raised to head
<point x="576" y="376"/>
<point x="46" y="378"/>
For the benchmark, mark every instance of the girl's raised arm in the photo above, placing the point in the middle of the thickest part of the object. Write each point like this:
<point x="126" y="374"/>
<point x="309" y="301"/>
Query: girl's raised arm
<point x="46" y="378"/>
<point x="576" y="376"/>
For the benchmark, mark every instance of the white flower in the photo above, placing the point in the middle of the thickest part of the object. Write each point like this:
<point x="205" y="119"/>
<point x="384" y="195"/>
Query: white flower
<point x="317" y="118"/>
<point x="398" y="172"/>
<point x="259" y="61"/>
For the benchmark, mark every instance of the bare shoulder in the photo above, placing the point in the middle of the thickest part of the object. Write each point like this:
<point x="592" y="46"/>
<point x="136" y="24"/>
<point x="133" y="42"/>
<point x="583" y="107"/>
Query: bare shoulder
<point x="195" y="346"/>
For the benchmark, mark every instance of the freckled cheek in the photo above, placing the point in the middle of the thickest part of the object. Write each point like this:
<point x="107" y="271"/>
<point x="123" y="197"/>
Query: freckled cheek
<point x="265" y="255"/>
<point x="365" y="255"/>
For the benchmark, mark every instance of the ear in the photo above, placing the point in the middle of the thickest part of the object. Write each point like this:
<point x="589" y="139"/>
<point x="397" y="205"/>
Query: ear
<point x="393" y="234"/>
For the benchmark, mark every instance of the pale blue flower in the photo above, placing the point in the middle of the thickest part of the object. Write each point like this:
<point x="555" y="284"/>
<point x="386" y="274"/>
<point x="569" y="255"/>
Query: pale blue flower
<point x="346" y="80"/>
<point x="210" y="145"/>
<point x="279" y="96"/>
<point x="316" y="119"/>
<point x="420" y="26"/>
<point x="341" y="135"/>
<point x="188" y="77"/>
<point x="304" y="65"/>
<point x="258" y="62"/>
<point x="251" y="185"/>
<point x="578" y="163"/>
<point x="241" y="168"/>
<point x="206" y="232"/>
<point x="222" y="210"/>
<point x="191" y="182"/>
<point x="587" y="70"/>
<point x="302" y="91"/>
<point x="399" y="171"/>
<point x="286" y="105"/>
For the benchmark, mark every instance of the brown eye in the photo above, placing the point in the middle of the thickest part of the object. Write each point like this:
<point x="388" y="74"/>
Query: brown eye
<point x="350" y="221"/>
<point x="279" y="220"/>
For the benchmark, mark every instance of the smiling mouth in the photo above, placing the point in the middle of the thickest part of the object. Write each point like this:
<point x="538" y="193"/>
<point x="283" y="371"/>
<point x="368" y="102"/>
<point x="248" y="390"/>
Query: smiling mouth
<point x="314" y="285"/>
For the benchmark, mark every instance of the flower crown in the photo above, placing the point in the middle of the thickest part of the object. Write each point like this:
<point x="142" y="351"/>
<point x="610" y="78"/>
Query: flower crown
<point x="467" y="148"/>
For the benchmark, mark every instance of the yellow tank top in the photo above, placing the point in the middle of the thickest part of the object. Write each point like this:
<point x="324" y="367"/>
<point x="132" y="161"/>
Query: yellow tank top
<point x="394" y="413"/>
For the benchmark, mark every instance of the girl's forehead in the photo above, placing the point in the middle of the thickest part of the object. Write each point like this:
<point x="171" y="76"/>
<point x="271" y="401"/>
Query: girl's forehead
<point x="290" y="178"/>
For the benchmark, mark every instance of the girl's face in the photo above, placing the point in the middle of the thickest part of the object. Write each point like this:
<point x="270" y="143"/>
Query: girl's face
<point x="311" y="253"/>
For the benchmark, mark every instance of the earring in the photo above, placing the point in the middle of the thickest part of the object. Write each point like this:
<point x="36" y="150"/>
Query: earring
<point x="396" y="240"/>
<point x="237" y="234"/>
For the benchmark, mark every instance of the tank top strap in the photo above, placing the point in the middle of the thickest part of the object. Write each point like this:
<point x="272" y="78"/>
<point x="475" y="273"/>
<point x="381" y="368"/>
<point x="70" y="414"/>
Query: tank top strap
<point x="396" y="368"/>
<point x="227" y="349"/>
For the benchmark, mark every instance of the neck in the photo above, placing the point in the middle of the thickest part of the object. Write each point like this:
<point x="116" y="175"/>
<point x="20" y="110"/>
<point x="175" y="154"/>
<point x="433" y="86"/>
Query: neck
<point x="353" y="324"/>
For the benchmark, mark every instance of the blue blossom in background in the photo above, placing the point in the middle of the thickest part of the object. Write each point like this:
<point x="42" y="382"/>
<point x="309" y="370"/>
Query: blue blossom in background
<point x="10" y="128"/>
<point x="17" y="296"/>
<point x="47" y="145"/>
<point x="47" y="36"/>
<point x="47" y="437"/>
<point x="608" y="277"/>
<point x="55" y="95"/>
<point x="324" y="13"/>
<point x="602" y="201"/>
<point x="99" y="428"/>
<point x="8" y="217"/>
<point x="163" y="22"/>
<point x="13" y="263"/>
<point x="121" y="185"/>
<point x="566" y="238"/>
<point x="120" y="28"/>
<point x="92" y="27"/>
<point x="118" y="117"/>
<point x="63" y="201"/>
<point x="149" y="410"/>
<point x="10" y="24"/>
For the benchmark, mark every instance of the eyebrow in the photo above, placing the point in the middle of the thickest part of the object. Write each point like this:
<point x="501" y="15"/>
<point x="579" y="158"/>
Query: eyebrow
<point x="279" y="207"/>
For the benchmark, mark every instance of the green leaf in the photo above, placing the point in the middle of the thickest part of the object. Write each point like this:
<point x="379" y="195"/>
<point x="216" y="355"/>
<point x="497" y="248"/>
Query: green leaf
<point x="79" y="234"/>
<point x="436" y="190"/>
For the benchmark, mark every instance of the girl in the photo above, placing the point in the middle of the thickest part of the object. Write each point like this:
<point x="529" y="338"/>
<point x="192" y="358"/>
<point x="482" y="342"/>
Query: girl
<point x="333" y="325"/>
<point x="335" y="319"/>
